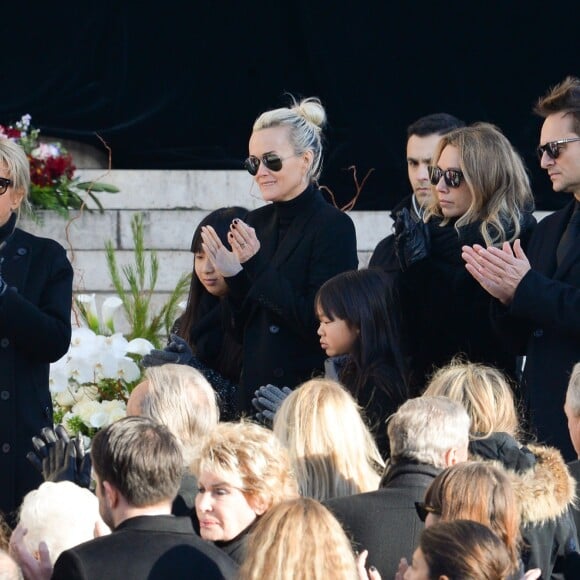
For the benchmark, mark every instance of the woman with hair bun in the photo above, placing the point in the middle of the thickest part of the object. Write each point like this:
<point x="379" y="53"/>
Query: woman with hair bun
<point x="283" y="252"/>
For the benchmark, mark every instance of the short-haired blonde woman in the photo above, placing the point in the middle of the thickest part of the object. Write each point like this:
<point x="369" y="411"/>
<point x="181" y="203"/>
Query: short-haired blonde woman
<point x="242" y="471"/>
<point x="299" y="540"/>
<point x="539" y="476"/>
<point x="333" y="453"/>
<point x="483" y="196"/>
<point x="282" y="252"/>
<point x="35" y="328"/>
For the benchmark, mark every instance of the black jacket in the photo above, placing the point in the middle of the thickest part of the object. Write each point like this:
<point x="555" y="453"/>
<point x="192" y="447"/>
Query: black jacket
<point x="152" y="547"/>
<point x="543" y="322"/>
<point x="35" y="330"/>
<point x="385" y="522"/>
<point x="272" y="298"/>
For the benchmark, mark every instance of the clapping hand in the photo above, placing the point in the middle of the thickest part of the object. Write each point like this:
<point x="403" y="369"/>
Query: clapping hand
<point x="268" y="399"/>
<point x="224" y="261"/>
<point x="59" y="458"/>
<point x="177" y="351"/>
<point x="412" y="239"/>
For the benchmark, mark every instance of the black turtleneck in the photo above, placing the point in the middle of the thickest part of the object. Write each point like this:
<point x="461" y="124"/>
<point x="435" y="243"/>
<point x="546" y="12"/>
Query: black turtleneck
<point x="288" y="210"/>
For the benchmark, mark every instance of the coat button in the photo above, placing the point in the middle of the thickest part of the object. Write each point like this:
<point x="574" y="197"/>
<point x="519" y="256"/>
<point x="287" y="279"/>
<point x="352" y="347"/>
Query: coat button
<point x="6" y="448"/>
<point x="538" y="333"/>
<point x="4" y="395"/>
<point x="4" y="343"/>
<point x="22" y="251"/>
<point x="278" y="373"/>
<point x="274" y="329"/>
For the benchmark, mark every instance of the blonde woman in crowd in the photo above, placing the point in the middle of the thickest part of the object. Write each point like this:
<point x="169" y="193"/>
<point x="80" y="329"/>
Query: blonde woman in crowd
<point x="242" y="471"/>
<point x="299" y="540"/>
<point x="543" y="486"/>
<point x="482" y="195"/>
<point x="332" y="451"/>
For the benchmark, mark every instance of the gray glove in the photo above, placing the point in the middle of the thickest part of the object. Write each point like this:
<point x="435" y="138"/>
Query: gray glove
<point x="267" y="401"/>
<point x="412" y="239"/>
<point x="177" y="351"/>
<point x="60" y="459"/>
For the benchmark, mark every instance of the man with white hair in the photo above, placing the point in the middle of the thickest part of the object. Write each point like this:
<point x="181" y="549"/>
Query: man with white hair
<point x="426" y="435"/>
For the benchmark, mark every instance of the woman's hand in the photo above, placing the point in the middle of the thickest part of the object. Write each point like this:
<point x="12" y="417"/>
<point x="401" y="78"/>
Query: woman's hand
<point x="224" y="261"/>
<point x="243" y="240"/>
<point x="39" y="568"/>
<point x="372" y="574"/>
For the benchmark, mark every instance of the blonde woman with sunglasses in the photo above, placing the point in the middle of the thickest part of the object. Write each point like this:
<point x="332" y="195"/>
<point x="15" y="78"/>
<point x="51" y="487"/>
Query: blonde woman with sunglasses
<point x="481" y="195"/>
<point x="283" y="252"/>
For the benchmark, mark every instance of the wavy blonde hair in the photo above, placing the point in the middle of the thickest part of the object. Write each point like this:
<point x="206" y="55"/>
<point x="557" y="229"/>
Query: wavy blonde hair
<point x="250" y="457"/>
<point x="496" y="177"/>
<point x="333" y="453"/>
<point x="299" y="540"/>
<point x="483" y="391"/>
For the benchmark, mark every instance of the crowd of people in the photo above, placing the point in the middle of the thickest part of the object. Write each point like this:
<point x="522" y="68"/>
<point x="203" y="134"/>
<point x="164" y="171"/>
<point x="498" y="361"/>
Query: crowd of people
<point x="309" y="419"/>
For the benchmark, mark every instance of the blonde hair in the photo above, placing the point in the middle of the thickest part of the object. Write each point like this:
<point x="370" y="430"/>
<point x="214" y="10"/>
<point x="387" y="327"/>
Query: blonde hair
<point x="496" y="177"/>
<point x="250" y="457"/>
<point x="480" y="492"/>
<point x="332" y="450"/>
<point x="299" y="540"/>
<point x="573" y="392"/>
<point x="179" y="397"/>
<point x="61" y="514"/>
<point x="484" y="393"/>
<point x="304" y="121"/>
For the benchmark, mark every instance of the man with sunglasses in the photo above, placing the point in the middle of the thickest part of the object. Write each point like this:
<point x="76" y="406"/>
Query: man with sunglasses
<point x="422" y="137"/>
<point x="539" y="290"/>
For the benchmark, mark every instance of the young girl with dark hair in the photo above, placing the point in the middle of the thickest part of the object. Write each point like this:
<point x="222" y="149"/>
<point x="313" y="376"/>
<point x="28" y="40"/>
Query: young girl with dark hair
<point x="359" y="331"/>
<point x="198" y="337"/>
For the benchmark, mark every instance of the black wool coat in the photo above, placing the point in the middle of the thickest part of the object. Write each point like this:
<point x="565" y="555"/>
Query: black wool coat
<point x="543" y="322"/>
<point x="35" y="330"/>
<point x="159" y="547"/>
<point x="272" y="298"/>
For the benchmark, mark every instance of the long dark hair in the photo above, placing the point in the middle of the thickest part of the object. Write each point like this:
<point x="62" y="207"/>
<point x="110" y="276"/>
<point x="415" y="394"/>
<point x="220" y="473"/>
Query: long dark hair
<point x="366" y="300"/>
<point x="229" y="359"/>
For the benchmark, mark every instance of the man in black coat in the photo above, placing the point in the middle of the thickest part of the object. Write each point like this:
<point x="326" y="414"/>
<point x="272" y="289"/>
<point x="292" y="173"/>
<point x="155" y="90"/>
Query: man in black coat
<point x="138" y="467"/>
<point x="426" y="434"/>
<point x="539" y="290"/>
<point x="422" y="138"/>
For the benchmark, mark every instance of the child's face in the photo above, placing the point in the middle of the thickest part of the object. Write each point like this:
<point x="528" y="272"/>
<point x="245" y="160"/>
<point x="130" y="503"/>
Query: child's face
<point x="335" y="335"/>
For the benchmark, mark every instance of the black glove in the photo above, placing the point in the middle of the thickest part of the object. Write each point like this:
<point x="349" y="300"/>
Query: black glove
<point x="3" y="286"/>
<point x="60" y="459"/>
<point x="267" y="401"/>
<point x="177" y="351"/>
<point x="412" y="240"/>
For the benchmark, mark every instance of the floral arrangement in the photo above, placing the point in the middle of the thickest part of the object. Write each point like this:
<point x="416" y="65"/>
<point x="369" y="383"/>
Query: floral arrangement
<point x="53" y="185"/>
<point x="90" y="385"/>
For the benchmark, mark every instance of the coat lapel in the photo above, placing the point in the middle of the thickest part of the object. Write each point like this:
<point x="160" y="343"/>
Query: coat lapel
<point x="16" y="261"/>
<point x="573" y="254"/>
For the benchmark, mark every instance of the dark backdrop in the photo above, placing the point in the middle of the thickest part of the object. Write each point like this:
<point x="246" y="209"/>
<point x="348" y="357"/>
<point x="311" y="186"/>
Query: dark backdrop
<point x="178" y="84"/>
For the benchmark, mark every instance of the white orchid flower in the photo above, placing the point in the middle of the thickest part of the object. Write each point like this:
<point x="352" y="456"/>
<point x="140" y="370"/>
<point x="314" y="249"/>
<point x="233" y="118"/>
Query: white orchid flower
<point x="110" y="306"/>
<point x="87" y="304"/>
<point x="140" y="346"/>
<point x="127" y="369"/>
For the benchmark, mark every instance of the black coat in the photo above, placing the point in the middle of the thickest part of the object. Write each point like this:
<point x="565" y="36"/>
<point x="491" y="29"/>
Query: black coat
<point x="543" y="322"/>
<point x="152" y="547"/>
<point x="272" y="298"/>
<point x="385" y="522"/>
<point x="445" y="312"/>
<point x="35" y="330"/>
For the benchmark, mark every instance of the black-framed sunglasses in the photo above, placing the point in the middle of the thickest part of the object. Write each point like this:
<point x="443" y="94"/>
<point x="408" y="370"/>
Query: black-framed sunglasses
<point x="423" y="510"/>
<point x="271" y="161"/>
<point x="552" y="148"/>
<point x="5" y="184"/>
<point x="452" y="177"/>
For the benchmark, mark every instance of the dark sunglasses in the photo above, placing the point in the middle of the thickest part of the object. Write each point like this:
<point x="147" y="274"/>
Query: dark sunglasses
<point x="271" y="161"/>
<point x="552" y="148"/>
<point x="423" y="510"/>
<point x="4" y="185"/>
<point x="452" y="177"/>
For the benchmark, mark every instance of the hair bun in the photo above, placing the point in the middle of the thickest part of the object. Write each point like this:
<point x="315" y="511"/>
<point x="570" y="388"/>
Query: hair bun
<point x="312" y="110"/>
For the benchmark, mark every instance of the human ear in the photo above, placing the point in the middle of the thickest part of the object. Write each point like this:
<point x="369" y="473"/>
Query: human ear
<point x="259" y="505"/>
<point x="111" y="494"/>
<point x="16" y="197"/>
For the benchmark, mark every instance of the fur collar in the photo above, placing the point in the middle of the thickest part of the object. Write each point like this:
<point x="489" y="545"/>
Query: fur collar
<point x="546" y="490"/>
